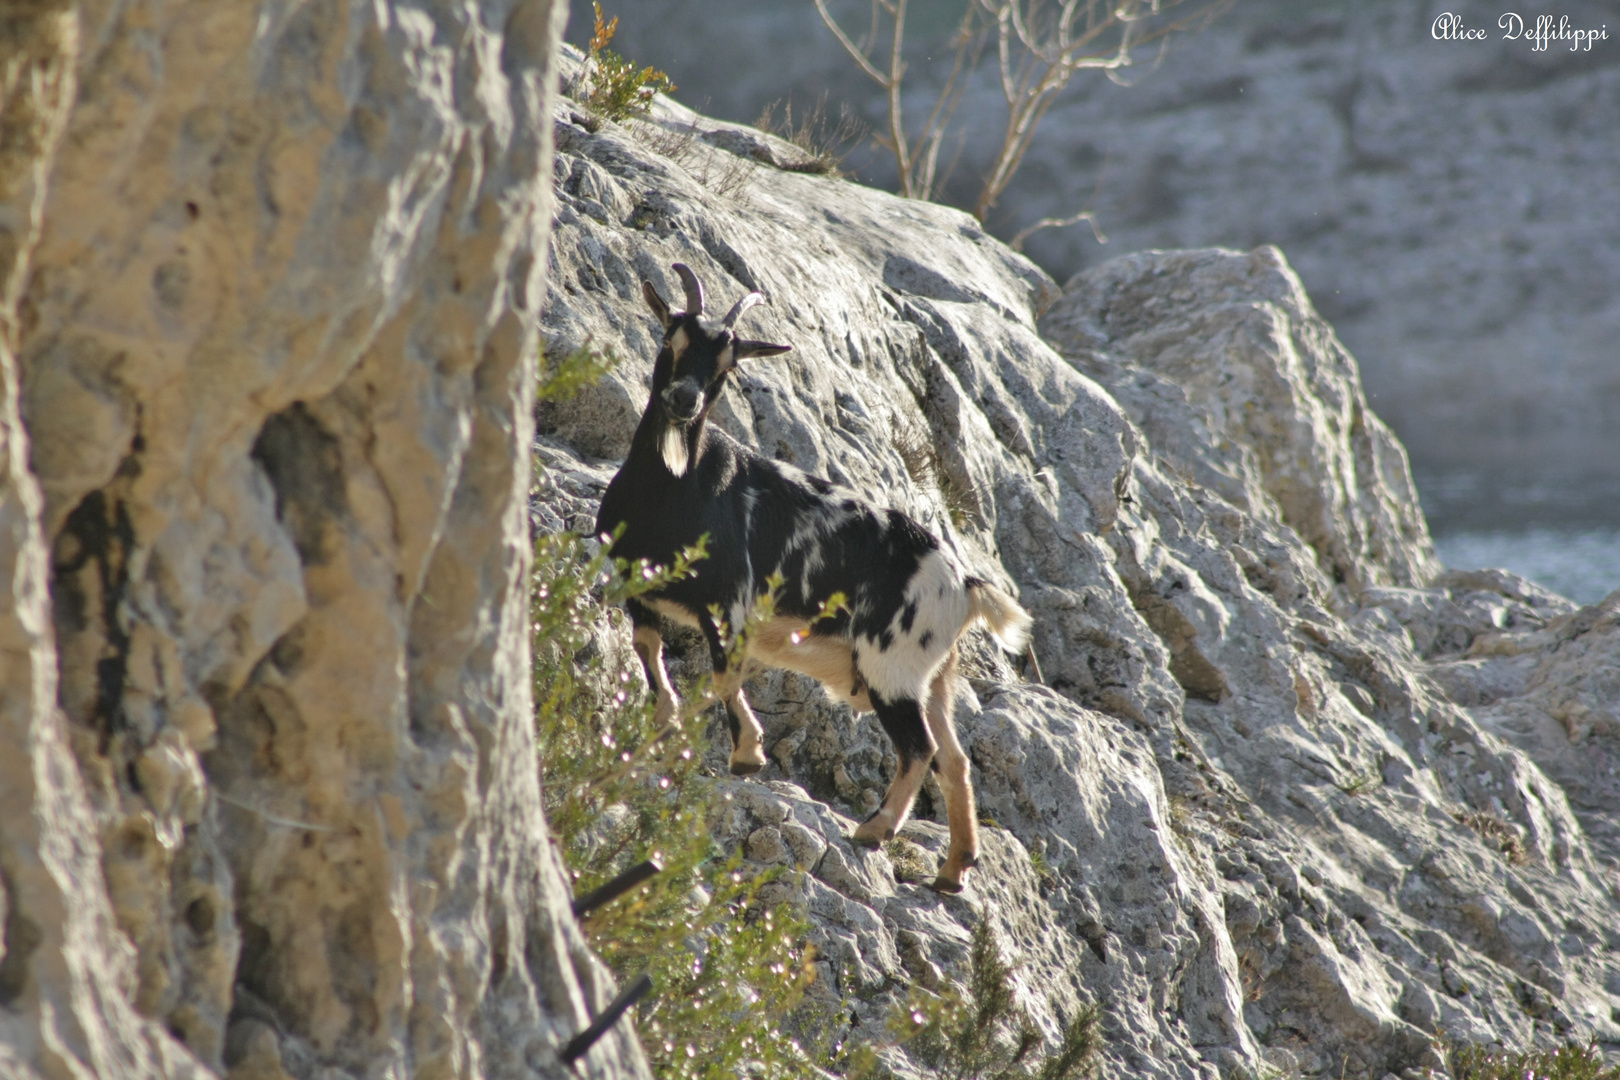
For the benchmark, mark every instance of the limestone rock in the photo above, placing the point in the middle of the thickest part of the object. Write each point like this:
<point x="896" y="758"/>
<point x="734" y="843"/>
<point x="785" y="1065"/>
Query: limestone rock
<point x="1243" y="389"/>
<point x="1442" y="200"/>
<point x="1420" y="192"/>
<point x="1261" y="810"/>
<point x="271" y="285"/>
<point x="1555" y="693"/>
<point x="69" y="993"/>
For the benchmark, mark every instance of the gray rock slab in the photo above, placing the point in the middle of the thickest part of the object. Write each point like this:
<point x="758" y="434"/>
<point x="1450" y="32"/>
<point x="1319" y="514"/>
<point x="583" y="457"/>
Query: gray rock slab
<point x="1286" y="790"/>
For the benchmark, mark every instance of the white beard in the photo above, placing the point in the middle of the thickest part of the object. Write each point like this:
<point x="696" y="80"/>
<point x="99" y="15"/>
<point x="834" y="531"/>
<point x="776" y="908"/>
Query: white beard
<point x="673" y="447"/>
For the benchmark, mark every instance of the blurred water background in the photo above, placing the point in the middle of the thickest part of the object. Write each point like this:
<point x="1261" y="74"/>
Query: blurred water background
<point x="1583" y="565"/>
<point x="1558" y="531"/>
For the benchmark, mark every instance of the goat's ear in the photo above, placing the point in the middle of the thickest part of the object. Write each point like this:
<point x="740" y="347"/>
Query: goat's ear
<point x="745" y="349"/>
<point x="656" y="302"/>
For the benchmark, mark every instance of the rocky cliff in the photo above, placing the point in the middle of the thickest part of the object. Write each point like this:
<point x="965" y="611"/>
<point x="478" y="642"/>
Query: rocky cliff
<point x="1444" y="201"/>
<point x="271" y="275"/>
<point x="1283" y="792"/>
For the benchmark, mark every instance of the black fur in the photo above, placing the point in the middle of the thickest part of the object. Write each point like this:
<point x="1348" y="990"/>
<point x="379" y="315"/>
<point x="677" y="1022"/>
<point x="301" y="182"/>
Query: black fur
<point x="760" y="516"/>
<point x="906" y="600"/>
<point x="903" y="722"/>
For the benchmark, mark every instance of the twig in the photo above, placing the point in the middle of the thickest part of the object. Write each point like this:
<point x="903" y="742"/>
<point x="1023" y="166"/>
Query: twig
<point x="272" y="818"/>
<point x="1040" y="46"/>
<point x="616" y="888"/>
<point x="579" y="1044"/>
<point x="1034" y="663"/>
<point x="1017" y="242"/>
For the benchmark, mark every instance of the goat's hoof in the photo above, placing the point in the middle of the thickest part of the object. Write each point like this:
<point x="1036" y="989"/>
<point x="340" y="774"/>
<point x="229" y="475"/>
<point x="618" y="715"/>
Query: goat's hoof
<point x="870" y="839"/>
<point x="948" y="886"/>
<point x="970" y="861"/>
<point x="746" y="768"/>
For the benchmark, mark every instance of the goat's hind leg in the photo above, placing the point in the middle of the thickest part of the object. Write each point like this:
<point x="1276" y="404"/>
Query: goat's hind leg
<point x="649" y="645"/>
<point x="952" y="765"/>
<point x="747" y="736"/>
<point x="902" y="720"/>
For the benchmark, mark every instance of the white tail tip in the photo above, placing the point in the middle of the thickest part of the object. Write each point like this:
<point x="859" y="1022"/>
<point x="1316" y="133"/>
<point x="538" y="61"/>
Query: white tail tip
<point x="1007" y="622"/>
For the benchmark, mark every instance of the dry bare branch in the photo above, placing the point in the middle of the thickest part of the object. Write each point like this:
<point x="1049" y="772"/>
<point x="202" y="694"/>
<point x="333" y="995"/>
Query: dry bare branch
<point x="1040" y="46"/>
<point x="917" y="158"/>
<point x="1017" y="242"/>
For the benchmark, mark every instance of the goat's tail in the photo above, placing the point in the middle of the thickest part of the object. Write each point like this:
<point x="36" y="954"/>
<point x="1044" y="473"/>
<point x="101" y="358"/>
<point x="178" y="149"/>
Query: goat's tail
<point x="1007" y="622"/>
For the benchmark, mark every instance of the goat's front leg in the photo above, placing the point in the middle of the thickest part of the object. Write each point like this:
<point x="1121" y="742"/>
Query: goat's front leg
<point x="952" y="764"/>
<point x="649" y="645"/>
<point x="747" y="737"/>
<point x="903" y="721"/>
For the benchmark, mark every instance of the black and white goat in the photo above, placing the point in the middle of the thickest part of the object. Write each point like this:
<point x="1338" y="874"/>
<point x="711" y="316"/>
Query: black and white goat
<point x="892" y="651"/>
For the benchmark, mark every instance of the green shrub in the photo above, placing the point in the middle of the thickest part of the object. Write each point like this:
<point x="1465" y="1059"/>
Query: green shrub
<point x="569" y="374"/>
<point x="618" y="89"/>
<point x="728" y="971"/>
<point x="1569" y="1062"/>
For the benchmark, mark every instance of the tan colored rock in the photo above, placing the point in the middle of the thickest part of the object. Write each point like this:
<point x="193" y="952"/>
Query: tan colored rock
<point x="67" y="976"/>
<point x="272" y="278"/>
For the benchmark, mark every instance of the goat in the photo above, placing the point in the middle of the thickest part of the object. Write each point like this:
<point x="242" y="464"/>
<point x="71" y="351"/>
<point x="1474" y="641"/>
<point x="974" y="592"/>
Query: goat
<point x="891" y="650"/>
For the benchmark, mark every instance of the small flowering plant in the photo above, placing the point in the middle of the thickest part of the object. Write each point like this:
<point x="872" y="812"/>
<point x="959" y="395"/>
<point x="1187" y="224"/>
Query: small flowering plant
<point x="617" y="88"/>
<point x="1572" y="1061"/>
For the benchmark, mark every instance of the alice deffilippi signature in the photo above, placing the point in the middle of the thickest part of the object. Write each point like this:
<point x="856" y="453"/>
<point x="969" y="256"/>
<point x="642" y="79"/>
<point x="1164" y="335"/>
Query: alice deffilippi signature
<point x="1540" y="34"/>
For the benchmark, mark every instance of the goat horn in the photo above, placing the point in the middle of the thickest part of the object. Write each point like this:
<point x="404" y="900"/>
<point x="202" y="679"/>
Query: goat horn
<point x="694" y="289"/>
<point x="741" y="306"/>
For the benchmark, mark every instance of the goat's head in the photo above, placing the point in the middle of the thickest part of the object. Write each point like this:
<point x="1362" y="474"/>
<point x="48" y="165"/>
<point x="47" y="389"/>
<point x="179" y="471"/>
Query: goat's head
<point x="698" y="353"/>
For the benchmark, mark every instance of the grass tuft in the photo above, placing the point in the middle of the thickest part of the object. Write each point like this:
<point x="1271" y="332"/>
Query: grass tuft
<point x="923" y="464"/>
<point x="825" y="144"/>
<point x="720" y="171"/>
<point x="1496" y="832"/>
<point x="910" y="864"/>
<point x="1356" y="783"/>
<point x="1043" y="869"/>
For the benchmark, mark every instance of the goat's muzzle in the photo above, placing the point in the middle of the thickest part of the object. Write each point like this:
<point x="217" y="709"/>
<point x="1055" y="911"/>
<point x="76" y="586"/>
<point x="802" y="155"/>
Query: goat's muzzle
<point x="682" y="401"/>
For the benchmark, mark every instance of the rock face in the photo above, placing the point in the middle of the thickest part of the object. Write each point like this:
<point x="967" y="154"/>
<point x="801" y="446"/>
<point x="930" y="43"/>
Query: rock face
<point x="1435" y="195"/>
<point x="1443" y="200"/>
<point x="267" y="805"/>
<point x="1284" y="792"/>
